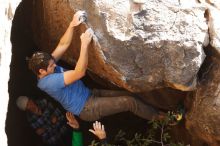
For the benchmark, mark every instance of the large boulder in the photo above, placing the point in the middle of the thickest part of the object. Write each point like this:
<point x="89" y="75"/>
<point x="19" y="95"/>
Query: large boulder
<point x="203" y="118"/>
<point x="143" y="47"/>
<point x="139" y="46"/>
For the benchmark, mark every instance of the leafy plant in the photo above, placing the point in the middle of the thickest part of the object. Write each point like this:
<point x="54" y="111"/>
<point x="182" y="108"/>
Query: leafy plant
<point x="158" y="134"/>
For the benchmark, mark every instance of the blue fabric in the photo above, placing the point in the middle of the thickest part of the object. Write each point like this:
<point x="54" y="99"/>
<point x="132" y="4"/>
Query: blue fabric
<point x="72" y="97"/>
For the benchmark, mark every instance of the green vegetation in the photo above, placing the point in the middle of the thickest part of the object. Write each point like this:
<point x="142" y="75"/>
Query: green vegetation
<point x="157" y="135"/>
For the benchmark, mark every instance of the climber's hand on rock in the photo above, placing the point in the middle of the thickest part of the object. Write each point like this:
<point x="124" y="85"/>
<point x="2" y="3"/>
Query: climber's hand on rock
<point x="77" y="18"/>
<point x="86" y="37"/>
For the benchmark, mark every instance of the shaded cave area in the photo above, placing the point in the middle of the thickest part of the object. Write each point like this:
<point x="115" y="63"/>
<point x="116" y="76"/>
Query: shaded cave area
<point x="23" y="82"/>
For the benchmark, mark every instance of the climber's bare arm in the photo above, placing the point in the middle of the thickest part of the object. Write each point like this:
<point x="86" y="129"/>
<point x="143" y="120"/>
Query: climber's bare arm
<point x="66" y="39"/>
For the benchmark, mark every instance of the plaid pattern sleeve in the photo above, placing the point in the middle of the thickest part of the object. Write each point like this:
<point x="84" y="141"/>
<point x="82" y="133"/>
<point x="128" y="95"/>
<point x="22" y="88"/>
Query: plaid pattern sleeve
<point x="53" y="131"/>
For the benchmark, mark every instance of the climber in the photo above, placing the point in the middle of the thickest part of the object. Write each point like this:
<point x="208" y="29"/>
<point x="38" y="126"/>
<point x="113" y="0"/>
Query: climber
<point x="66" y="87"/>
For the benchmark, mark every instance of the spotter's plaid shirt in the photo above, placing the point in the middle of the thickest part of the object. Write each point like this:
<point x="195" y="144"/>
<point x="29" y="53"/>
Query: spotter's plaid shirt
<point x="53" y="131"/>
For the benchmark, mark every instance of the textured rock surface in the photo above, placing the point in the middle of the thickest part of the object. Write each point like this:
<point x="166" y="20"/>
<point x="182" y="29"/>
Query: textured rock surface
<point x="203" y="118"/>
<point x="214" y="28"/>
<point x="142" y="46"/>
<point x="7" y="9"/>
<point x="212" y="3"/>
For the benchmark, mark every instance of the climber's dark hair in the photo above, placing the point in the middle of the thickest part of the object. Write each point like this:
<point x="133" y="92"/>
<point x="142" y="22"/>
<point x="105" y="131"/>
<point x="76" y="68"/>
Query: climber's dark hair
<point x="39" y="60"/>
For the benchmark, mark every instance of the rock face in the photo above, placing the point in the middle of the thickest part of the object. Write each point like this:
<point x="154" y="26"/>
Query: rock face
<point x="203" y="118"/>
<point x="7" y="9"/>
<point x="141" y="46"/>
<point x="214" y="28"/>
<point x="147" y="46"/>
